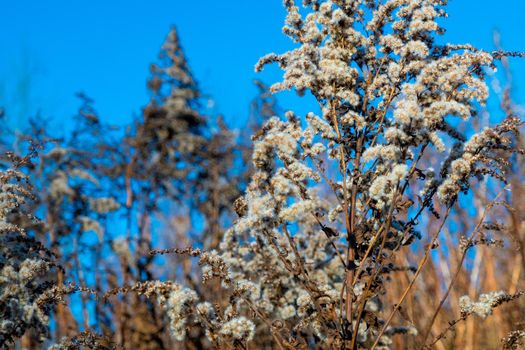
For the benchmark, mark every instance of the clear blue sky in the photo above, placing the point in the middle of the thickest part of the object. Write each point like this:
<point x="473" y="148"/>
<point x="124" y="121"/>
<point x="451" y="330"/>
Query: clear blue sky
<point x="54" y="48"/>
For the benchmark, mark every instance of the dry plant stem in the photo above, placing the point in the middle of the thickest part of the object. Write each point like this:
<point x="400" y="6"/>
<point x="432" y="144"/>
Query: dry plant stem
<point x="298" y="270"/>
<point x="375" y="273"/>
<point x="351" y="235"/>
<point x="348" y="223"/>
<point x="331" y="241"/>
<point x="441" y="335"/>
<point x="341" y="306"/>
<point x="416" y="275"/>
<point x="460" y="265"/>
<point x="515" y="221"/>
<point x="321" y="224"/>
<point x="326" y="179"/>
<point x="377" y="235"/>
<point x="266" y="321"/>
<point x="295" y="251"/>
<point x="367" y="253"/>
<point x="383" y="116"/>
<point x="516" y="273"/>
<point x="386" y="225"/>
<point x="60" y="308"/>
<point x="348" y="220"/>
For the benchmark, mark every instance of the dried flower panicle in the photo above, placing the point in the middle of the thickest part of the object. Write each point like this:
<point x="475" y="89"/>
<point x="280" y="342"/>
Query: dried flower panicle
<point x="26" y="266"/>
<point x="486" y="303"/>
<point x="389" y="94"/>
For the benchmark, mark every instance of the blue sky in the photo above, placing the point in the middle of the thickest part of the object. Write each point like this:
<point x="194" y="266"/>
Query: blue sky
<point x="54" y="48"/>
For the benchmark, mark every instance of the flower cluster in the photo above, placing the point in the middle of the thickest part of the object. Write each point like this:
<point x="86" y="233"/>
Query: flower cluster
<point x="486" y="303"/>
<point x="25" y="265"/>
<point x="389" y="96"/>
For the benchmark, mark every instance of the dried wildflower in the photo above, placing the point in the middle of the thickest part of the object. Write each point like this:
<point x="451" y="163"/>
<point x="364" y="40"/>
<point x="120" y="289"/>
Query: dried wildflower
<point x="386" y="93"/>
<point x="25" y="265"/>
<point x="178" y="303"/>
<point x="86" y="339"/>
<point x="330" y="198"/>
<point x="514" y="340"/>
<point x="239" y="328"/>
<point x="486" y="303"/>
